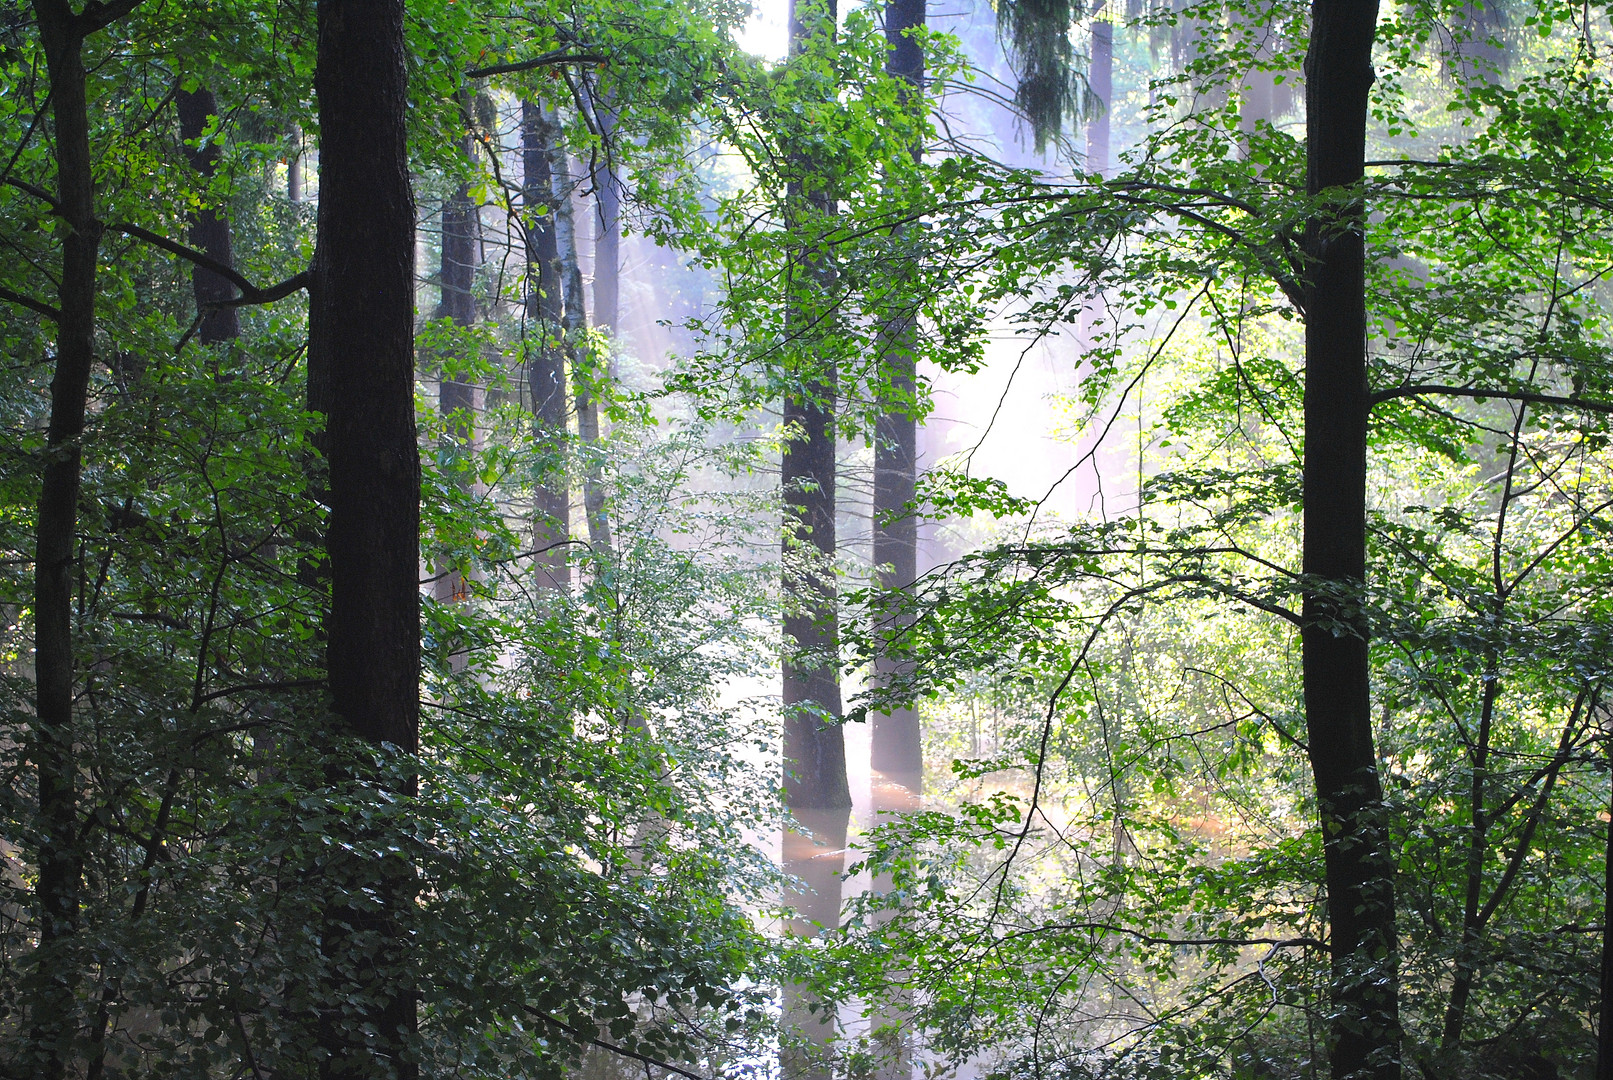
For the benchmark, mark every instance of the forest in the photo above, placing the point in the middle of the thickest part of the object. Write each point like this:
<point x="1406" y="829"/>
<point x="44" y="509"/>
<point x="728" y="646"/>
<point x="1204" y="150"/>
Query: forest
<point x="1016" y="540"/>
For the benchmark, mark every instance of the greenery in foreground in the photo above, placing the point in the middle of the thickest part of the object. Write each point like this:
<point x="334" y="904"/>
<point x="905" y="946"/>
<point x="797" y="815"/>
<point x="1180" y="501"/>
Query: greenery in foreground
<point x="1119" y="874"/>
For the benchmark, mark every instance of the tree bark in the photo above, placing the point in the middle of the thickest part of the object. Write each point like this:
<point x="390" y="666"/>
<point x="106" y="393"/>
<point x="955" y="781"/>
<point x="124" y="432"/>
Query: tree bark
<point x="458" y="398"/>
<point x="814" y="744"/>
<point x="546" y="370"/>
<point x="209" y="228"/>
<point x="1365" y="1038"/>
<point x="1604" y="1027"/>
<point x="574" y="327"/>
<point x="897" y="744"/>
<point x="53" y="1012"/>
<point x="361" y="354"/>
<point x="1100" y="78"/>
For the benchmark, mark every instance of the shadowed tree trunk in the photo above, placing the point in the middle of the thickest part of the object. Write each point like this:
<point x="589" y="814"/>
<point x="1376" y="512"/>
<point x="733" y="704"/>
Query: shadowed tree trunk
<point x="574" y="326"/>
<point x="361" y="362"/>
<point x="458" y="397"/>
<point x="815" y="785"/>
<point x="546" y="368"/>
<point x="209" y="228"/>
<point x="897" y="748"/>
<point x="53" y="1015"/>
<point x="1365" y="1038"/>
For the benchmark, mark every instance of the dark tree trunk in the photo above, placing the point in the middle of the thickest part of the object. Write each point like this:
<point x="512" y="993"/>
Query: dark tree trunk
<point x="361" y="347"/>
<point x="459" y="398"/>
<point x="574" y="326"/>
<point x="814" y="744"/>
<point x="53" y="1012"/>
<point x="209" y="228"/>
<point x="1100" y="78"/>
<point x="1365" y="1040"/>
<point x="897" y="745"/>
<point x="1604" y="1028"/>
<point x="546" y="368"/>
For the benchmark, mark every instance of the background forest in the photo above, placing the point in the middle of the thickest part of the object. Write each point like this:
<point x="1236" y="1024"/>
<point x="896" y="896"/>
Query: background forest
<point x="1053" y="541"/>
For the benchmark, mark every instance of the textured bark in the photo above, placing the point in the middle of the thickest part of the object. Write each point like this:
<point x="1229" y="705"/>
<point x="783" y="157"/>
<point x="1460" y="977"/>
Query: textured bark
<point x="897" y="744"/>
<point x="1365" y="1039"/>
<point x="546" y="369"/>
<point x="209" y="228"/>
<point x="573" y="327"/>
<point x="53" y="1015"/>
<point x="814" y="744"/>
<point x="361" y="347"/>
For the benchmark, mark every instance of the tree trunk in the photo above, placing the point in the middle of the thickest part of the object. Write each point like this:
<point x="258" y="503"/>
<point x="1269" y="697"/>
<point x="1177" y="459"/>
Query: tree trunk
<point x="1101" y="81"/>
<point x="1365" y="1039"/>
<point x="53" y="1012"/>
<point x="545" y="361"/>
<point x="361" y="347"/>
<point x="1604" y="1027"/>
<point x="608" y="239"/>
<point x="814" y="745"/>
<point x="209" y="228"/>
<point x="897" y="745"/>
<point x="458" y="398"/>
<point x="574" y="327"/>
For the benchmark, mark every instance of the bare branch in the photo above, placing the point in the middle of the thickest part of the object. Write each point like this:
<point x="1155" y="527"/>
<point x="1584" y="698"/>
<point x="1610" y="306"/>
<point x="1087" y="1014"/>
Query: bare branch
<point x="549" y="59"/>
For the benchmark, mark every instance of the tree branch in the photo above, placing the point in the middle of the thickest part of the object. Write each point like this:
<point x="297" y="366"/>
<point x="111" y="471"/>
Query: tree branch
<point x="1479" y="393"/>
<point x="98" y="16"/>
<point x="250" y="293"/>
<point x="31" y="304"/>
<point x="603" y="1045"/>
<point x="548" y="59"/>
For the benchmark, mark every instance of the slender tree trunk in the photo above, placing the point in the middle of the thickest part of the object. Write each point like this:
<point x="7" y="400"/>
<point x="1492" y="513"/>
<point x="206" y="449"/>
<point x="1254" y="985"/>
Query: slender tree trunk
<point x="897" y="744"/>
<point x="574" y="326"/>
<point x="1604" y="1027"/>
<point x="209" y="227"/>
<point x="1365" y="1039"/>
<point x="361" y="348"/>
<point x="1100" y="78"/>
<point x="458" y="397"/>
<point x="53" y="1013"/>
<point x="608" y="238"/>
<point x="546" y="368"/>
<point x="294" y="167"/>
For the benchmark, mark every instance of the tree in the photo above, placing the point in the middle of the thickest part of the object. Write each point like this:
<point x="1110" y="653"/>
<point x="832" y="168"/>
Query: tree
<point x="361" y="376"/>
<point x="1337" y="680"/>
<point x="897" y="738"/>
<point x="545" y="367"/>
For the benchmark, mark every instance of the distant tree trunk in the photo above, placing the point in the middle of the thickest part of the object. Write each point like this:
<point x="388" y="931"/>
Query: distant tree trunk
<point x="361" y="356"/>
<point x="546" y="367"/>
<point x="897" y="743"/>
<point x="209" y="228"/>
<point x="608" y="238"/>
<point x="458" y="397"/>
<point x="53" y="1015"/>
<point x="294" y="167"/>
<point x="1101" y="81"/>
<point x="574" y="326"/>
<point x="1365" y="1039"/>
